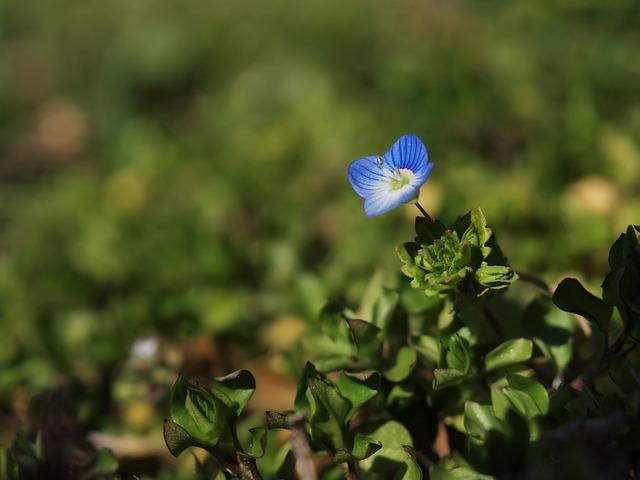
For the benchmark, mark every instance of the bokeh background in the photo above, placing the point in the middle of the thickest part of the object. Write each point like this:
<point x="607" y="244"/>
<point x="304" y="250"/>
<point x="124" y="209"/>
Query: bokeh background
<point x="173" y="189"/>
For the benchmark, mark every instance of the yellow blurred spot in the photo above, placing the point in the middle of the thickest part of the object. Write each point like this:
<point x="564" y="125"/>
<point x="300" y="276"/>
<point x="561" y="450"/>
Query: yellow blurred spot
<point x="430" y="198"/>
<point x="283" y="332"/>
<point x="592" y="194"/>
<point x="622" y="157"/>
<point x="139" y="414"/>
<point x="126" y="190"/>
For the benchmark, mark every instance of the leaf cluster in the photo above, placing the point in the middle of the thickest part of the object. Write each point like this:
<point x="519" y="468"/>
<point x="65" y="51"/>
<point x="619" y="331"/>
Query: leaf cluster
<point x="461" y="258"/>
<point x="449" y="379"/>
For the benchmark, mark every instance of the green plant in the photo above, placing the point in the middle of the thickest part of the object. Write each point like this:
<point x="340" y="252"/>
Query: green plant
<point x="503" y="386"/>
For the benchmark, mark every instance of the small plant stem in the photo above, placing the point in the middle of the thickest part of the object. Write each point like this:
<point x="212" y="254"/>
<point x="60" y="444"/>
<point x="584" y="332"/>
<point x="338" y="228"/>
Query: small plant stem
<point x="533" y="280"/>
<point x="249" y="470"/>
<point x="495" y="324"/>
<point x="300" y="447"/>
<point x="241" y="465"/>
<point x="423" y="211"/>
<point x="352" y="471"/>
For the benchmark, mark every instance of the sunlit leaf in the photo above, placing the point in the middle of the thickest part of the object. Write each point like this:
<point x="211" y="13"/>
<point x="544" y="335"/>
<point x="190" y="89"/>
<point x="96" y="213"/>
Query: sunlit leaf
<point x="445" y="377"/>
<point x="234" y="390"/>
<point x="363" y="447"/>
<point x="509" y="352"/>
<point x="404" y="362"/>
<point x="479" y="419"/>
<point x="393" y="436"/>
<point x="357" y="389"/>
<point x="457" y="356"/>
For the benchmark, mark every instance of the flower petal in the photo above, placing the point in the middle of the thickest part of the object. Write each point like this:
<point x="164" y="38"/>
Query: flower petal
<point x="366" y="175"/>
<point x="381" y="201"/>
<point x="408" y="152"/>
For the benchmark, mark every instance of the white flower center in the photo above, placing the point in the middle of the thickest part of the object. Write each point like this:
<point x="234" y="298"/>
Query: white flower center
<point x="399" y="178"/>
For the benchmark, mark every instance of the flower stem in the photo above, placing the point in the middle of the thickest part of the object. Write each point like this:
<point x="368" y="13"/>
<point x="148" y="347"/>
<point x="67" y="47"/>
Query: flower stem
<point x="423" y="211"/>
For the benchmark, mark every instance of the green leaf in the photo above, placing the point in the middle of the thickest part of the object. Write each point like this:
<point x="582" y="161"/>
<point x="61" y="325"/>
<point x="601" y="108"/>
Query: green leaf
<point x="533" y="390"/>
<point x="495" y="277"/>
<point x="177" y="438"/>
<point x="363" y="447"/>
<point x="365" y="337"/>
<point x="177" y="399"/>
<point x="457" y="356"/>
<point x="571" y="296"/>
<point x="333" y="362"/>
<point x="428" y="230"/>
<point x="525" y="404"/>
<point x="407" y="253"/>
<point x="21" y="461"/>
<point x="405" y="361"/>
<point x="623" y="374"/>
<point x="509" y="352"/>
<point x="500" y="402"/>
<point x="582" y="405"/>
<point x="479" y="222"/>
<point x="478" y="233"/>
<point x="551" y="329"/>
<point x="479" y="419"/>
<point x="446" y="377"/>
<point x="401" y="395"/>
<point x="630" y="281"/>
<point x="326" y="407"/>
<point x="622" y="248"/>
<point x="502" y="448"/>
<point x="325" y="392"/>
<point x="611" y="288"/>
<point x="357" y="388"/>
<point x="384" y="307"/>
<point x="258" y="442"/>
<point x="332" y="319"/>
<point x="325" y="425"/>
<point x="457" y="473"/>
<point x="393" y="436"/>
<point x="198" y="412"/>
<point x="234" y="391"/>
<point x="617" y="252"/>
<point x="301" y="401"/>
<point x="428" y="346"/>
<point x="412" y="470"/>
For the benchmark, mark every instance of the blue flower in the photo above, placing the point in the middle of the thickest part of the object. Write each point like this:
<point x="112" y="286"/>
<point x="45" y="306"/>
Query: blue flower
<point x="393" y="178"/>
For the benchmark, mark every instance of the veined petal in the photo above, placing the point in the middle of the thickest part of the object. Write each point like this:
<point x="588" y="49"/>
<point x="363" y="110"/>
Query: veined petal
<point x="408" y="152"/>
<point x="384" y="199"/>
<point x="380" y="202"/>
<point x="366" y="175"/>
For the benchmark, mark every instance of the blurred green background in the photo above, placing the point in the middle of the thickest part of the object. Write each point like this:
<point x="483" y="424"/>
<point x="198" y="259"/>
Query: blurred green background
<point x="176" y="172"/>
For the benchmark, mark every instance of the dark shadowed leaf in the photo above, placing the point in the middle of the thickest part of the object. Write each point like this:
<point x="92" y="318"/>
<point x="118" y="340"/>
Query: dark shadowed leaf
<point x="572" y="297"/>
